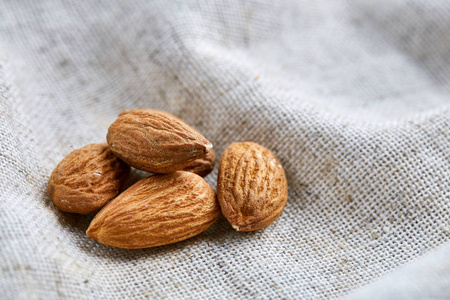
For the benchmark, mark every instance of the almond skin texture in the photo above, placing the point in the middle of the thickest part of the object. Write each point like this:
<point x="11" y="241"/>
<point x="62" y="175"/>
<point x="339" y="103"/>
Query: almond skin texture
<point x="251" y="186"/>
<point x="155" y="141"/>
<point x="158" y="210"/>
<point x="86" y="179"/>
<point x="202" y="166"/>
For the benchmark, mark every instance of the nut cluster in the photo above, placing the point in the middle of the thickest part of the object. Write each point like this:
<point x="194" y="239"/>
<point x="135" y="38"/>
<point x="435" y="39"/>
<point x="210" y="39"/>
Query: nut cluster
<point x="175" y="203"/>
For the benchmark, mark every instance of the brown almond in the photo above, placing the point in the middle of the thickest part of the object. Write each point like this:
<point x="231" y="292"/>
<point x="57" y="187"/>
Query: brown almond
<point x="251" y="186"/>
<point x="155" y="141"/>
<point x="158" y="210"/>
<point x="202" y="166"/>
<point x="86" y="179"/>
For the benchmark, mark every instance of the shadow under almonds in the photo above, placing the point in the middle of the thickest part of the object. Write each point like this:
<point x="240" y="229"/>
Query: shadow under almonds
<point x="216" y="234"/>
<point x="75" y="222"/>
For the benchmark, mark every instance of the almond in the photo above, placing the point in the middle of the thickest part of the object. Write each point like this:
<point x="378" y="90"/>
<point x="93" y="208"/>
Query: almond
<point x="202" y="166"/>
<point x="251" y="186"/>
<point x="86" y="179"/>
<point x="155" y="141"/>
<point x="158" y="210"/>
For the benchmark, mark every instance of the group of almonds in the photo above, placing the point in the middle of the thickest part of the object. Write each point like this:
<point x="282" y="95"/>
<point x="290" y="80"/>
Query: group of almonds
<point x="176" y="203"/>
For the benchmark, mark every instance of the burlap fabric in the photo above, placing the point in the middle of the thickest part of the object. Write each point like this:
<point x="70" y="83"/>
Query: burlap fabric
<point x="352" y="96"/>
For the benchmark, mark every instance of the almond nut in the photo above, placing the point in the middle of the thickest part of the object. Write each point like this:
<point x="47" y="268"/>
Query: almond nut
<point x="251" y="186"/>
<point x="202" y="166"/>
<point x="158" y="210"/>
<point x="155" y="141"/>
<point x="86" y="179"/>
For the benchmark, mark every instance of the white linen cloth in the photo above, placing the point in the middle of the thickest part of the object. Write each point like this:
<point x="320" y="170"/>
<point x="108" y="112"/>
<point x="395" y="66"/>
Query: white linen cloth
<point x="352" y="96"/>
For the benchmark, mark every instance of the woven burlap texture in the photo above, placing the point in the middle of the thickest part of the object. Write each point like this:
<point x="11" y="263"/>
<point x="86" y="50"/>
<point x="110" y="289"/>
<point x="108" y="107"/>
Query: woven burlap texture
<point x="352" y="96"/>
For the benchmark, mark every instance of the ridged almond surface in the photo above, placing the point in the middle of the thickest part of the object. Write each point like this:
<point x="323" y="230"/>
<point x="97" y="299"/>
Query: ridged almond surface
<point x="155" y="141"/>
<point x="158" y="210"/>
<point x="202" y="166"/>
<point x="251" y="186"/>
<point x="86" y="179"/>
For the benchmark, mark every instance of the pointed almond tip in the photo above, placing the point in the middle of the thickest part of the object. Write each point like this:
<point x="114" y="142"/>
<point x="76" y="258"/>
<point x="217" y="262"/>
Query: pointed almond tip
<point x="208" y="147"/>
<point x="90" y="233"/>
<point x="235" y="227"/>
